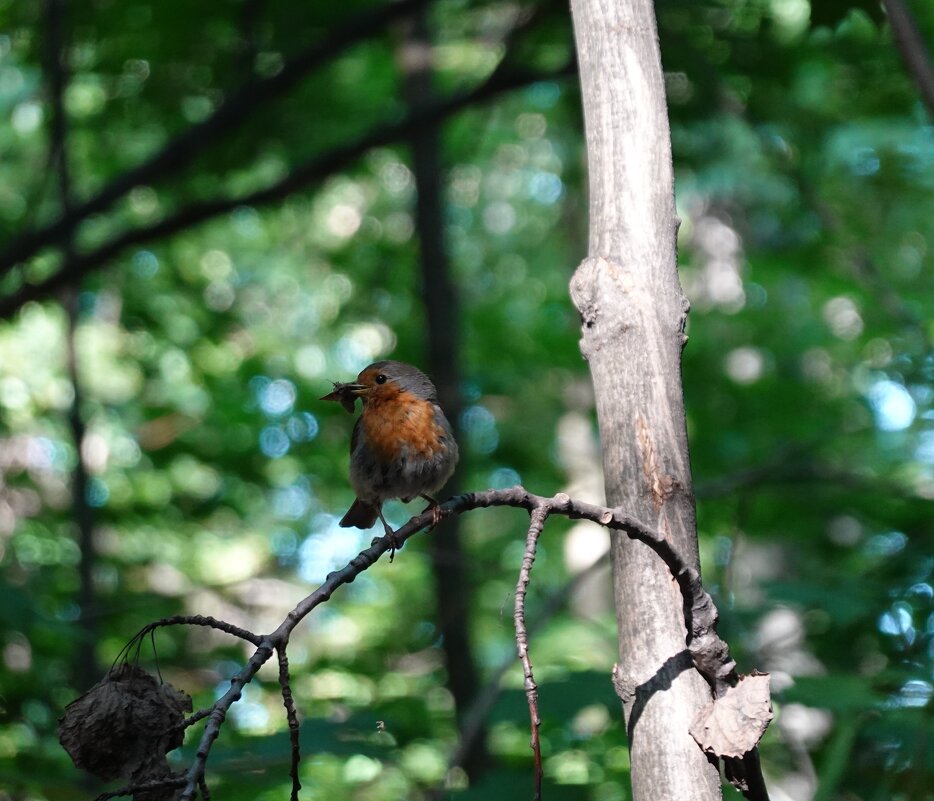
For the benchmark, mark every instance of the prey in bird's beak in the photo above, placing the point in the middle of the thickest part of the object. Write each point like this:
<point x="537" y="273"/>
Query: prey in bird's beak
<point x="345" y="394"/>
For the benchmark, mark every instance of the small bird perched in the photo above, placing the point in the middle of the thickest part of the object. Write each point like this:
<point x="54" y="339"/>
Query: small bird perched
<point x="402" y="445"/>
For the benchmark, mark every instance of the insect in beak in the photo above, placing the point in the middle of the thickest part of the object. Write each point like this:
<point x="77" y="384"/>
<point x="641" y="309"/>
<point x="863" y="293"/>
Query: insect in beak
<point x="345" y="394"/>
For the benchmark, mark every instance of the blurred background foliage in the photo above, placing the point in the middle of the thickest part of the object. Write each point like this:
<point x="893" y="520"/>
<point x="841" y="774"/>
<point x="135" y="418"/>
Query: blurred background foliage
<point x="213" y="477"/>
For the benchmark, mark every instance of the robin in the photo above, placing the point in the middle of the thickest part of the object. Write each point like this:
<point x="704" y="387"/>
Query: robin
<point x="402" y="445"/>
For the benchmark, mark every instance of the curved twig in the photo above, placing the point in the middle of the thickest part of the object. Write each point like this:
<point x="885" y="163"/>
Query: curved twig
<point x="491" y="691"/>
<point x="292" y="717"/>
<point x="538" y="517"/>
<point x="184" y="620"/>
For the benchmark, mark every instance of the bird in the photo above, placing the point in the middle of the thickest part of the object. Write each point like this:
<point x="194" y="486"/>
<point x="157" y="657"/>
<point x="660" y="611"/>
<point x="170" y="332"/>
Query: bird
<point x="402" y="445"/>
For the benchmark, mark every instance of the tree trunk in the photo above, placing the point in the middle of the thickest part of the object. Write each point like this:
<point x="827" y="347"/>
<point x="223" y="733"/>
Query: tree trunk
<point x="442" y="336"/>
<point x="85" y="669"/>
<point x="633" y="314"/>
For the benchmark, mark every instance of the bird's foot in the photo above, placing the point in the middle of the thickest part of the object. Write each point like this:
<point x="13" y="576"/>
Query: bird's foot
<point x="436" y="513"/>
<point x="393" y="542"/>
<point x="393" y="545"/>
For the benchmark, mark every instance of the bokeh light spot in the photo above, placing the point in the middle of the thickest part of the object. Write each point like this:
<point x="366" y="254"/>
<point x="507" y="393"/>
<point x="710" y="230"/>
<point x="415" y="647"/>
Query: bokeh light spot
<point x="893" y="406"/>
<point x="504" y="477"/>
<point x="479" y="425"/>
<point x="278" y="397"/>
<point x="274" y="442"/>
<point x="327" y="548"/>
<point x="302" y="427"/>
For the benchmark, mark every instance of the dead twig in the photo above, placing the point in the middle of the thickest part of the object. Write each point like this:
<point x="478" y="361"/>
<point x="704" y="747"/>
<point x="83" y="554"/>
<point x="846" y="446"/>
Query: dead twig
<point x="538" y="516"/>
<point x="292" y="717"/>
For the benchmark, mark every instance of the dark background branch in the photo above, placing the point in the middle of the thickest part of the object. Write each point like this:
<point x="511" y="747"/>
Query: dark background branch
<point x="443" y="357"/>
<point x="301" y="176"/>
<point x="85" y="667"/>
<point x="914" y="51"/>
<point x="182" y="150"/>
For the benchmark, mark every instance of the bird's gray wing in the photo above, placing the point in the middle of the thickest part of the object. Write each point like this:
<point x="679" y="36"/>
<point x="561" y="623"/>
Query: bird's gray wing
<point x="355" y="434"/>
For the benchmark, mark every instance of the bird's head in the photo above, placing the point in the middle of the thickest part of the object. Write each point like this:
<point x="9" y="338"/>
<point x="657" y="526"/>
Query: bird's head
<point x="381" y="381"/>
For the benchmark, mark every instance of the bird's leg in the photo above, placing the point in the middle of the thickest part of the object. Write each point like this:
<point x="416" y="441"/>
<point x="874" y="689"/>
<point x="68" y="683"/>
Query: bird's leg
<point x="389" y="533"/>
<point x="435" y="510"/>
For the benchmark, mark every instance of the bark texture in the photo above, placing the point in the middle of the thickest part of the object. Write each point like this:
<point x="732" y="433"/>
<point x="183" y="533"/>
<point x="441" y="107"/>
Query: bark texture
<point x="633" y="313"/>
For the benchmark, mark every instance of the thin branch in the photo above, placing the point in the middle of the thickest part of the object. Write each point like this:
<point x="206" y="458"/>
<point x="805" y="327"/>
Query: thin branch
<point x="488" y="695"/>
<point x="199" y="137"/>
<point x="913" y="50"/>
<point x="538" y="517"/>
<point x="206" y="621"/>
<point x="710" y="654"/>
<point x="195" y="775"/>
<point x="186" y="620"/>
<point x="191" y="720"/>
<point x="312" y="171"/>
<point x="280" y="637"/>
<point x="292" y="717"/>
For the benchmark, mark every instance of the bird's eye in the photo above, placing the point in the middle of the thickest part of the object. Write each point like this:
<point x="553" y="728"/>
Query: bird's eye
<point x="380" y="379"/>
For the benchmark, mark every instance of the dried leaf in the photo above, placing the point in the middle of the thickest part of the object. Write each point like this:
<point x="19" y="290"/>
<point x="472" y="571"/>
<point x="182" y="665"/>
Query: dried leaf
<point x="123" y="722"/>
<point x="733" y="724"/>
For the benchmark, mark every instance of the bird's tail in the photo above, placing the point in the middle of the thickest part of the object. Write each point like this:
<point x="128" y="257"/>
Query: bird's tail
<point x="361" y="515"/>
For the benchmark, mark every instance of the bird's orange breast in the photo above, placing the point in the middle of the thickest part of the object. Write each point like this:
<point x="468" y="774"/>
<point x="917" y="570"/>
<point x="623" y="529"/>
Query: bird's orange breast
<point x="394" y="420"/>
